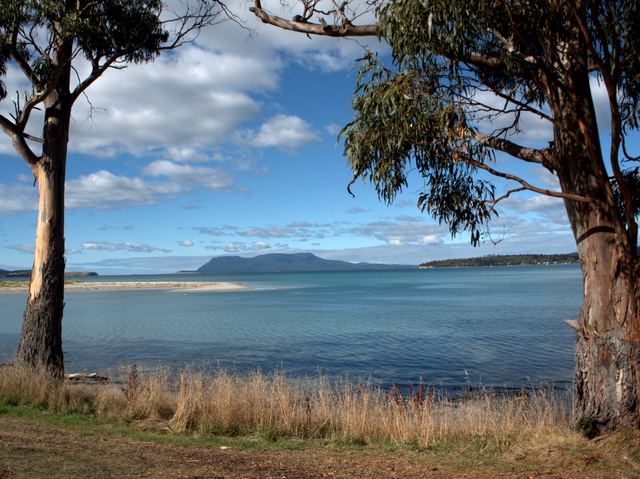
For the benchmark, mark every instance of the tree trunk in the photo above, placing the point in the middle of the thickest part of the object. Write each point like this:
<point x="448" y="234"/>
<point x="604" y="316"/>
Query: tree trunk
<point x="41" y="340"/>
<point x="607" y="348"/>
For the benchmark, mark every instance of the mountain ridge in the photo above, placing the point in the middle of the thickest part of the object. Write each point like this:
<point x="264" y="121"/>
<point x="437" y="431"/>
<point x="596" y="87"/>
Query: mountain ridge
<point x="287" y="263"/>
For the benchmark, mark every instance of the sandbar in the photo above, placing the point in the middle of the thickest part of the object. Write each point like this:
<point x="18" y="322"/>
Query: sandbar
<point x="176" y="286"/>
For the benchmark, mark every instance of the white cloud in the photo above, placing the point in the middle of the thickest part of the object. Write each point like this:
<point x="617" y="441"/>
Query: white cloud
<point x="241" y="247"/>
<point x="333" y="129"/>
<point x="287" y="132"/>
<point x="429" y="239"/>
<point x="191" y="155"/>
<point x="272" y="232"/>
<point x="18" y="199"/>
<point x="128" y="246"/>
<point x="100" y="246"/>
<point x="233" y="247"/>
<point x="189" y="98"/>
<point x="23" y="248"/>
<point x="536" y="204"/>
<point x="545" y="178"/>
<point x="400" y="231"/>
<point x="214" y="231"/>
<point x="211" y="178"/>
<point x="185" y="243"/>
<point x="104" y="190"/>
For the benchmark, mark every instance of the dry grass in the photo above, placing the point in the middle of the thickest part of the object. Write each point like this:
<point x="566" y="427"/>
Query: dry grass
<point x="233" y="403"/>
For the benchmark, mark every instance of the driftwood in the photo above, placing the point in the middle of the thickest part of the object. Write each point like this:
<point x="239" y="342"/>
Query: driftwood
<point x="83" y="376"/>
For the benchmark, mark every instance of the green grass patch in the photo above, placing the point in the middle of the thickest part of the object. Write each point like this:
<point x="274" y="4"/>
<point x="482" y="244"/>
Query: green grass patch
<point x="13" y="284"/>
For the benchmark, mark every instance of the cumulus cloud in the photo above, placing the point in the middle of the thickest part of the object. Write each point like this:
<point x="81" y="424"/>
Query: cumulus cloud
<point x="286" y="132"/>
<point x="429" y="239"/>
<point x="191" y="155"/>
<point x="190" y="98"/>
<point x="104" y="190"/>
<point x="185" y="243"/>
<point x="212" y="179"/>
<point x="18" y="199"/>
<point x="232" y="247"/>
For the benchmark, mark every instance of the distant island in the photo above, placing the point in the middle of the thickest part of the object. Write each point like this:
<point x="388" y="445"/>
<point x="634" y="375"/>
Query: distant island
<point x="505" y="260"/>
<point x="26" y="273"/>
<point x="286" y="263"/>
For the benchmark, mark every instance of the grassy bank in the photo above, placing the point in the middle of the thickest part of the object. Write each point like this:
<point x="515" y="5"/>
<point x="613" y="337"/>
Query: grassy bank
<point x="224" y="402"/>
<point x="258" y="411"/>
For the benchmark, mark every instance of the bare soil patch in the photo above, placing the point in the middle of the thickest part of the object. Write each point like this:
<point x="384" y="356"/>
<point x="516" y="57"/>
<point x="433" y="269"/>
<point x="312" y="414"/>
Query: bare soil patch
<point x="34" y="449"/>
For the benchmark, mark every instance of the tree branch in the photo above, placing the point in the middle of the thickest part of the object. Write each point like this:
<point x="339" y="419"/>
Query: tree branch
<point x="20" y="60"/>
<point x="18" y="141"/>
<point x="543" y="157"/>
<point x="529" y="187"/>
<point x="344" y="30"/>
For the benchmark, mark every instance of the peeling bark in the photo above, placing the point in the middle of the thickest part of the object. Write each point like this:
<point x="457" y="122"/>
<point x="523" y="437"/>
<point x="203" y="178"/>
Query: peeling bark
<point x="41" y="339"/>
<point x="607" y="380"/>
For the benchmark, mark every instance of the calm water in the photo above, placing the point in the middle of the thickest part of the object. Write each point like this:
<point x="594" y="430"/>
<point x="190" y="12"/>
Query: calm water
<point x="448" y="327"/>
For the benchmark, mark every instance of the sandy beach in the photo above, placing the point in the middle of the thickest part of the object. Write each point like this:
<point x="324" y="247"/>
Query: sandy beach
<point x="177" y="286"/>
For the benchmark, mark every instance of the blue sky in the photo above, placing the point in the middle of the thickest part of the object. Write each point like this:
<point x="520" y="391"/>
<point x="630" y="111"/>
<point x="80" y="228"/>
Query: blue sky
<point x="229" y="146"/>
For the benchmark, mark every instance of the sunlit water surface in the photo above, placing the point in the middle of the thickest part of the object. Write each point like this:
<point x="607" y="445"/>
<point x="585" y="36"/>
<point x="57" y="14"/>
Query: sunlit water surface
<point x="447" y="327"/>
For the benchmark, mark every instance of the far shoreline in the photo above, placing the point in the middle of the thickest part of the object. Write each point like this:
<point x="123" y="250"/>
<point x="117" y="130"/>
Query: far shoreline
<point x="172" y="286"/>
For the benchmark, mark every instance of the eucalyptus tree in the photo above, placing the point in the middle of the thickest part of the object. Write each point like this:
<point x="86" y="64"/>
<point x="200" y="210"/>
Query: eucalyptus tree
<point x="51" y="42"/>
<point x="460" y="67"/>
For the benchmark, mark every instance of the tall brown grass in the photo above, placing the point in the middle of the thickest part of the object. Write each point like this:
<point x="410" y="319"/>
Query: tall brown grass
<point x="220" y="401"/>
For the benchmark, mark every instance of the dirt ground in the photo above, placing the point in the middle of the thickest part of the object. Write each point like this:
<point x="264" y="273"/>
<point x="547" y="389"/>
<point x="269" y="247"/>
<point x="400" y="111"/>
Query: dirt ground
<point x="29" y="449"/>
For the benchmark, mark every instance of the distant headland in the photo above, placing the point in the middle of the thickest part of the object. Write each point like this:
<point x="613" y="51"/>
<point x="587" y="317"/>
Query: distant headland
<point x="26" y="273"/>
<point x="505" y="260"/>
